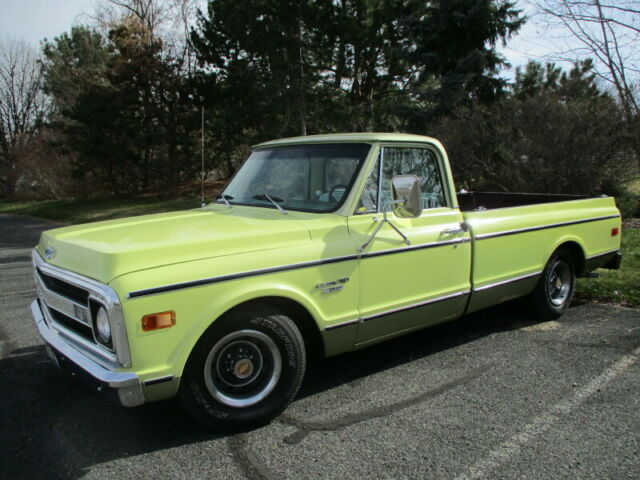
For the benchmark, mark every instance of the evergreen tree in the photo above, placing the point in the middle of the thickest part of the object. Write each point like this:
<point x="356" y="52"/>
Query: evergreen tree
<point x="123" y="108"/>
<point x="352" y="64"/>
<point x="454" y="44"/>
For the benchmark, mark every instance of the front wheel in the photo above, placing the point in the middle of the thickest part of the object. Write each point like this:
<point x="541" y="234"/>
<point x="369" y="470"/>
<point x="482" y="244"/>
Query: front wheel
<point x="244" y="370"/>
<point x="554" y="291"/>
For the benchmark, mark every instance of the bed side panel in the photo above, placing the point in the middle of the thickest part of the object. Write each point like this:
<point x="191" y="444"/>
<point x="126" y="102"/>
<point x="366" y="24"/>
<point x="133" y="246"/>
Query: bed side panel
<point x="512" y="245"/>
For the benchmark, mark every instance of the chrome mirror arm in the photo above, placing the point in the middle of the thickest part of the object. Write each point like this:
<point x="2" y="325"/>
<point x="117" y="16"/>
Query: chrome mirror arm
<point x="404" y="237"/>
<point x="371" y="237"/>
<point x="379" y="226"/>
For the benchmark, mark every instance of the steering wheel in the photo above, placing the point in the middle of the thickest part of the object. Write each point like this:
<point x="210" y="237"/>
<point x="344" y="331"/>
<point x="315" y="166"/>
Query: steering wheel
<point x="334" y="188"/>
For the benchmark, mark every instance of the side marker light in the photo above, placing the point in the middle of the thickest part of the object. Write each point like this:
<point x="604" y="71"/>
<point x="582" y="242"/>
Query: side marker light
<point x="156" y="321"/>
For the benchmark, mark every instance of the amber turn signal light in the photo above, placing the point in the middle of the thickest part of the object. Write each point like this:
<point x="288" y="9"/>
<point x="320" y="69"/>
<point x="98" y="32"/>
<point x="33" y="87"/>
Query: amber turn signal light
<point x="155" y="321"/>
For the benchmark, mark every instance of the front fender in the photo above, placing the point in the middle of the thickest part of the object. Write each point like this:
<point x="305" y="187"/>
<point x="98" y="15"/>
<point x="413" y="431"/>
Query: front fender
<point x="165" y="352"/>
<point x="217" y="306"/>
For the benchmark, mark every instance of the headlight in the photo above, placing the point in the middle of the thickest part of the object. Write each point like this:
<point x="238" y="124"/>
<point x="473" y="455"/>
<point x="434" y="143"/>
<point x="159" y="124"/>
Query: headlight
<point x="103" y="328"/>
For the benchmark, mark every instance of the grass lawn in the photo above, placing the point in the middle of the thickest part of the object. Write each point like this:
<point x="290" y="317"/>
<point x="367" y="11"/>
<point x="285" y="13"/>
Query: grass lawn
<point x="617" y="286"/>
<point x="94" y="209"/>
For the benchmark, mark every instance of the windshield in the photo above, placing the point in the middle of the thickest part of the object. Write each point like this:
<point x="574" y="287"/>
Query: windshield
<point x="311" y="178"/>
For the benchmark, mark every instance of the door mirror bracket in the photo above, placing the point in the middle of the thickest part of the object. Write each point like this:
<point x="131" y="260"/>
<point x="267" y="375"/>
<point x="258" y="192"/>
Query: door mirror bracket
<point x="406" y="203"/>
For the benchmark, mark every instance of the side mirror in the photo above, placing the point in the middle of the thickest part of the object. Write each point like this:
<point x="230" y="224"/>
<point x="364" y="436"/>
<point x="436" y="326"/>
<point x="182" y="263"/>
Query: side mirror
<point x="407" y="202"/>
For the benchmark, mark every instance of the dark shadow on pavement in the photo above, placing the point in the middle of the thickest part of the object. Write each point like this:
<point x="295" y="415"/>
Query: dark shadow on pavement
<point x="52" y="426"/>
<point x="329" y="373"/>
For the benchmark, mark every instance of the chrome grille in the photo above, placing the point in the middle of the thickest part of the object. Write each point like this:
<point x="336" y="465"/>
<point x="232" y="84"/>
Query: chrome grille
<point x="67" y="301"/>
<point x="84" y="331"/>
<point x="64" y="310"/>
<point x="77" y="294"/>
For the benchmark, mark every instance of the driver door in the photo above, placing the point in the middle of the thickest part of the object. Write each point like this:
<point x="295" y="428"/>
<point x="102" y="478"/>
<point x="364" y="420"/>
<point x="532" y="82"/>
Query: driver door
<point x="405" y="287"/>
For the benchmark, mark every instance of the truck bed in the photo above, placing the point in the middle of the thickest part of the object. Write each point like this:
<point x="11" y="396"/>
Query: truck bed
<point x="515" y="234"/>
<point x="470" y="201"/>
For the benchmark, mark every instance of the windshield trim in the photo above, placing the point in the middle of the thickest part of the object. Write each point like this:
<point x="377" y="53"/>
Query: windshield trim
<point x="338" y="205"/>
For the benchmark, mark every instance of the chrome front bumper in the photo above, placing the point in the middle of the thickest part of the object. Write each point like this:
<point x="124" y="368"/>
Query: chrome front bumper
<point x="125" y="386"/>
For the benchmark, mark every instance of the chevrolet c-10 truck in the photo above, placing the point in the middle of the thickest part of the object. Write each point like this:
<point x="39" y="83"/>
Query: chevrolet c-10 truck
<point x="318" y="245"/>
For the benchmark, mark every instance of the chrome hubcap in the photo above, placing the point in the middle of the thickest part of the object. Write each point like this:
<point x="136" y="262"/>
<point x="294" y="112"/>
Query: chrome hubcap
<point x="242" y="368"/>
<point x="559" y="283"/>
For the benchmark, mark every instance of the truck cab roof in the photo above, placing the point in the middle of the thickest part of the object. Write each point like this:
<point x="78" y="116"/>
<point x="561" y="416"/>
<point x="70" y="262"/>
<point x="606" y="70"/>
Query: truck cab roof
<point x="349" y="138"/>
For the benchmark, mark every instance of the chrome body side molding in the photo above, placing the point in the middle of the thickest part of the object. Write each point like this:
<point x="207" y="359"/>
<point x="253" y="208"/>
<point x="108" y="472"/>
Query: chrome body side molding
<point x="423" y="303"/>
<point x="442" y="298"/>
<point x="293" y="266"/>
<point x="236" y="276"/>
<point x="507" y="281"/>
<point x="343" y="324"/>
<point x="415" y="247"/>
<point x="484" y="236"/>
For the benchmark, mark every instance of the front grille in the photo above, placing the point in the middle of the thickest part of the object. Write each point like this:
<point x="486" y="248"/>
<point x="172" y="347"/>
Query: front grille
<point x="67" y="301"/>
<point x="67" y="305"/>
<point x="65" y="289"/>
<point x="72" y="324"/>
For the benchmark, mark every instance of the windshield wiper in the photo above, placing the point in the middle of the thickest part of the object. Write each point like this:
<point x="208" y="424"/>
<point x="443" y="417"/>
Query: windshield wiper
<point x="274" y="200"/>
<point x="225" y="198"/>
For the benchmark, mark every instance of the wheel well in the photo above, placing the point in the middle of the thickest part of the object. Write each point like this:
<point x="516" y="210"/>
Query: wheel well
<point x="577" y="255"/>
<point x="300" y="316"/>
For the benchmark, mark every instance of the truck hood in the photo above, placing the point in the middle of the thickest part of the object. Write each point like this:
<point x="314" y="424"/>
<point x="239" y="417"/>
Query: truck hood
<point x="106" y="250"/>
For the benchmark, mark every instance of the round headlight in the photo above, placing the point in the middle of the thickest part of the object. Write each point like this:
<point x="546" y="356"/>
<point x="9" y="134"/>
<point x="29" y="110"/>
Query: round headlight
<point x="102" y="326"/>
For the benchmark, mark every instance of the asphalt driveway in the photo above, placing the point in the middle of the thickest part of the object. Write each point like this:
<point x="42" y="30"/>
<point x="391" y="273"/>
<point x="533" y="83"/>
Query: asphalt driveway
<point x="495" y="395"/>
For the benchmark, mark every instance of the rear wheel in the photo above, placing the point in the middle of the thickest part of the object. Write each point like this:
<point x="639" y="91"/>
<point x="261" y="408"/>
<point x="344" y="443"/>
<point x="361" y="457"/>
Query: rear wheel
<point x="244" y="370"/>
<point x="554" y="291"/>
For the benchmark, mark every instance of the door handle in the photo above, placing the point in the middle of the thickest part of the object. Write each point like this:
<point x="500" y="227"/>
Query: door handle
<point x="464" y="227"/>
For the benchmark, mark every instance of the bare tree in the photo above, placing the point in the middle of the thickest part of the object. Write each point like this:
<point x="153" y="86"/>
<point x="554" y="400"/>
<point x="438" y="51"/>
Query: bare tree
<point x="22" y="105"/>
<point x="169" y="20"/>
<point x="609" y="31"/>
<point x="109" y="13"/>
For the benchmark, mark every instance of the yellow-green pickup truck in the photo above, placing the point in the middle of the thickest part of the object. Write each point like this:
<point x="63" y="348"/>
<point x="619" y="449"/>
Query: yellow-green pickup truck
<point x="318" y="245"/>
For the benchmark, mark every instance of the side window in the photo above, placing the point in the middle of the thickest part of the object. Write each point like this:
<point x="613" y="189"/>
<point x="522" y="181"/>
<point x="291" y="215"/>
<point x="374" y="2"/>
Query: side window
<point x="369" y="199"/>
<point x="415" y="161"/>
